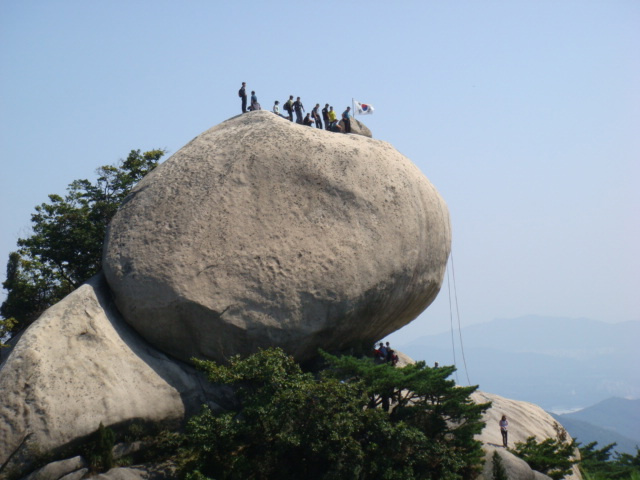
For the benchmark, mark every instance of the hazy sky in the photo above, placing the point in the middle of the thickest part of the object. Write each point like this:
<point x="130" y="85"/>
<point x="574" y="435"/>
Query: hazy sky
<point x="525" y="115"/>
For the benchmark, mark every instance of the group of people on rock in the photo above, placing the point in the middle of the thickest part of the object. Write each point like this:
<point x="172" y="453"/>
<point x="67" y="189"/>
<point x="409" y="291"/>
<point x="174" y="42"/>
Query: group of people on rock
<point x="325" y="118"/>
<point x="385" y="354"/>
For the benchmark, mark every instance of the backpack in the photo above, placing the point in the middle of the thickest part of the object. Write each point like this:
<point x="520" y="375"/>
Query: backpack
<point x="240" y="93"/>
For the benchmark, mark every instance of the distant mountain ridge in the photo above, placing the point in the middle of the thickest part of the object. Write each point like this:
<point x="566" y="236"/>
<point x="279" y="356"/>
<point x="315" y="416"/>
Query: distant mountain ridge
<point x="558" y="363"/>
<point x="617" y="414"/>
<point x="612" y="420"/>
<point x="585" y="433"/>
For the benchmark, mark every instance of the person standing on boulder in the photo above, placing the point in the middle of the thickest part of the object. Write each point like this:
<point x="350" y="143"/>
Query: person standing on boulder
<point x="504" y="425"/>
<point x="325" y="116"/>
<point x="316" y="116"/>
<point x="380" y="354"/>
<point x="242" y="93"/>
<point x="383" y="352"/>
<point x="346" y="118"/>
<point x="288" y="106"/>
<point x="299" y="108"/>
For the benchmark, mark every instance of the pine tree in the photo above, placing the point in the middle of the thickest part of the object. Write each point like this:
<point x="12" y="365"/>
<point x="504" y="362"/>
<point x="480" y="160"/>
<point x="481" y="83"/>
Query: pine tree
<point x="100" y="451"/>
<point x="498" y="470"/>
<point x="553" y="457"/>
<point x="293" y="424"/>
<point x="65" y="248"/>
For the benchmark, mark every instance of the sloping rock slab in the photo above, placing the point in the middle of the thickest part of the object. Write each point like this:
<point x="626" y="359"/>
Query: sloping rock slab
<point x="525" y="420"/>
<point x="78" y="365"/>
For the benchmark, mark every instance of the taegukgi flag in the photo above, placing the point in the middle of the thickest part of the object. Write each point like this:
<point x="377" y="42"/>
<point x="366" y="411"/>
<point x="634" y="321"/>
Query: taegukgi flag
<point x="363" y="108"/>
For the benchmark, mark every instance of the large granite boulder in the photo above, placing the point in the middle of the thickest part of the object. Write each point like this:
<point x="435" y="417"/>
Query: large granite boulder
<point x="261" y="232"/>
<point x="78" y="365"/>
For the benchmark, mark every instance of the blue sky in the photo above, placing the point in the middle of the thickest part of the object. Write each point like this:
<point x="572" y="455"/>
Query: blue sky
<point x="524" y="114"/>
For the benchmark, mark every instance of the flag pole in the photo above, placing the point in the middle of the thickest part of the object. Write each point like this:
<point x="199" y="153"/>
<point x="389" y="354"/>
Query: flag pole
<point x="353" y="106"/>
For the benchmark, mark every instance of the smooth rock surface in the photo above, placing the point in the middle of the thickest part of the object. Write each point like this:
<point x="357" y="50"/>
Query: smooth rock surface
<point x="59" y="469"/>
<point x="124" y="473"/>
<point x="514" y="467"/>
<point x="162" y="471"/>
<point x="77" y="475"/>
<point x="261" y="232"/>
<point x="80" y="364"/>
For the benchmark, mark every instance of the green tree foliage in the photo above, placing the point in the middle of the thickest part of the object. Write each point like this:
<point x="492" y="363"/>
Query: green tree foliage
<point x="426" y="399"/>
<point x="291" y="424"/>
<point x="630" y="462"/>
<point x="553" y="457"/>
<point x="65" y="247"/>
<point x="100" y="448"/>
<point x="600" y="464"/>
<point x="498" y="470"/>
<point x="594" y="460"/>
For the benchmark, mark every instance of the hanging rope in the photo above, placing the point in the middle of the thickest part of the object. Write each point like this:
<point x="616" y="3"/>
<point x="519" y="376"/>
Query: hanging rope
<point x="447" y="225"/>
<point x="453" y="343"/>
<point x="455" y="292"/>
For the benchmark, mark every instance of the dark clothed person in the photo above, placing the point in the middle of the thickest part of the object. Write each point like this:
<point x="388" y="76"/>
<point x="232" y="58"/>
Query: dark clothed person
<point x="308" y="121"/>
<point x="298" y="108"/>
<point x="288" y="106"/>
<point x="325" y="116"/>
<point x="242" y="93"/>
<point x="346" y="119"/>
<point x="316" y="115"/>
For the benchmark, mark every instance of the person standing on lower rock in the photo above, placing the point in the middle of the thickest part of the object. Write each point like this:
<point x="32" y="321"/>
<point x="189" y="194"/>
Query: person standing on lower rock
<point x="504" y="425"/>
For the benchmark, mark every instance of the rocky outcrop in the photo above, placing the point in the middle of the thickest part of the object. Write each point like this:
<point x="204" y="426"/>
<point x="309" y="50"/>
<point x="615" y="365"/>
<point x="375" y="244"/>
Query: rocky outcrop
<point x="525" y="420"/>
<point x="263" y="233"/>
<point x="357" y="128"/>
<point x="258" y="233"/>
<point x="80" y="364"/>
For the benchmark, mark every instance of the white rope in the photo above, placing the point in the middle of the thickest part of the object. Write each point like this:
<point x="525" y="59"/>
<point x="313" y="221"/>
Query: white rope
<point x="453" y="343"/>
<point x="455" y="292"/>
